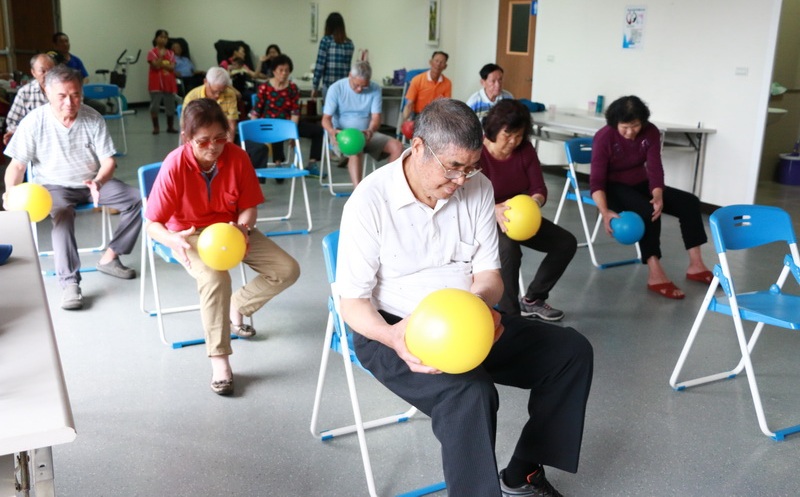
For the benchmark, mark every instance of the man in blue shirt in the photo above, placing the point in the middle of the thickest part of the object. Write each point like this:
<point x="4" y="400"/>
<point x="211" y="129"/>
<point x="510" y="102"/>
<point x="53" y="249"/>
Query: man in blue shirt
<point x="355" y="102"/>
<point x="61" y="44"/>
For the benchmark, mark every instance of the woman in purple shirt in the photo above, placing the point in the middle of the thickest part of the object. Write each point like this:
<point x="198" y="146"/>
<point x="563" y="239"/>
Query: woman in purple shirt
<point x="510" y="162"/>
<point x="627" y="175"/>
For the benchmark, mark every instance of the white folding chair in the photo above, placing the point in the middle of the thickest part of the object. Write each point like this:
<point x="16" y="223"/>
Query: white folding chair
<point x="326" y="170"/>
<point x="339" y="338"/>
<point x="277" y="131"/>
<point x="579" y="151"/>
<point x="147" y="176"/>
<point x="101" y="91"/>
<point x="740" y="227"/>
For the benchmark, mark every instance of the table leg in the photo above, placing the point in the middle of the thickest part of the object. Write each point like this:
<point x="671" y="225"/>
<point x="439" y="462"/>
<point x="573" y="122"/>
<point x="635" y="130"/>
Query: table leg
<point x="8" y="480"/>
<point x="42" y="471"/>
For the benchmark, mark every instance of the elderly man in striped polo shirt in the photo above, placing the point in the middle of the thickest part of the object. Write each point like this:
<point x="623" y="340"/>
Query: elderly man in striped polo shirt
<point x="70" y="152"/>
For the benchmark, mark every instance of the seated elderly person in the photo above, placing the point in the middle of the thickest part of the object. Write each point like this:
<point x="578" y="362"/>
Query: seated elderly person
<point x="29" y="96"/>
<point x="428" y="86"/>
<point x="182" y="203"/>
<point x="217" y="86"/>
<point x="492" y="92"/>
<point x="627" y="175"/>
<point x="355" y="102"/>
<point x="71" y="153"/>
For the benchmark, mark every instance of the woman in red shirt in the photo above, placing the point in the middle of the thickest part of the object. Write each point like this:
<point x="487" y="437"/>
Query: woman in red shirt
<point x="209" y="180"/>
<point x="161" y="82"/>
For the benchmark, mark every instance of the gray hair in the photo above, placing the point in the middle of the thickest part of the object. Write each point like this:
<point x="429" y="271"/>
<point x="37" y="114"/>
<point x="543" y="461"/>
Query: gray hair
<point x="361" y="69"/>
<point x="445" y="122"/>
<point x="62" y="74"/>
<point x="42" y="56"/>
<point x="218" y="76"/>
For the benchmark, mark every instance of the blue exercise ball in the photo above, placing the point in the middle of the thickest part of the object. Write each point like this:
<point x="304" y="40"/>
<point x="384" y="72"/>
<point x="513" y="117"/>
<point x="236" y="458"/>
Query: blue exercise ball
<point x="628" y="228"/>
<point x="5" y="253"/>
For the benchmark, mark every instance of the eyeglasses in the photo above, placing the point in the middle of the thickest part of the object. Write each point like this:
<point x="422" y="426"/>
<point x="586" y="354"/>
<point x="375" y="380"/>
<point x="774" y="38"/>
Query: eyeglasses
<point x="208" y="143"/>
<point x="455" y="173"/>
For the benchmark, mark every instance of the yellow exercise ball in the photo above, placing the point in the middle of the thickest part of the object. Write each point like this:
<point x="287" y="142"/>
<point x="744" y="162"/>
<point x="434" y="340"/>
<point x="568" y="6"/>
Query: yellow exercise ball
<point x="524" y="217"/>
<point x="31" y="197"/>
<point x="451" y="330"/>
<point x="221" y="246"/>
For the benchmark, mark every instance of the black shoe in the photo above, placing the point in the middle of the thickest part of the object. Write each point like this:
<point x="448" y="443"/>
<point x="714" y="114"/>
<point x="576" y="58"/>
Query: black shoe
<point x="540" y="309"/>
<point x="537" y="486"/>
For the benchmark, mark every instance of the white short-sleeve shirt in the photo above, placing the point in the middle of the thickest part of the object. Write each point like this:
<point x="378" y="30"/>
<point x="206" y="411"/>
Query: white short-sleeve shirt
<point x="396" y="250"/>
<point x="59" y="155"/>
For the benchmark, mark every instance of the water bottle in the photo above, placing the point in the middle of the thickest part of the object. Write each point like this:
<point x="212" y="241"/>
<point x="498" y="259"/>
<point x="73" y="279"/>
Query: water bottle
<point x="599" y="105"/>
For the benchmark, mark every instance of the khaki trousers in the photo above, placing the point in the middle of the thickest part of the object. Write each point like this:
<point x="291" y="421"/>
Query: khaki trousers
<point x="276" y="270"/>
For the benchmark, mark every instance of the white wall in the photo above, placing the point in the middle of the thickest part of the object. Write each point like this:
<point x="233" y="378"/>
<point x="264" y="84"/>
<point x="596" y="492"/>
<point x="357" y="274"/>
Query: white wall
<point x="394" y="32"/>
<point x="685" y="72"/>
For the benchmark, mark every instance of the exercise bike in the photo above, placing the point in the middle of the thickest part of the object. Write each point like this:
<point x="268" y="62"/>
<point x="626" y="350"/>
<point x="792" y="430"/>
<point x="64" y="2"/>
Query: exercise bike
<point x="119" y="76"/>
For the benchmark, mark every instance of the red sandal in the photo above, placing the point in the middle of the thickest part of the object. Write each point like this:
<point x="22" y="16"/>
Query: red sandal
<point x="668" y="290"/>
<point x="702" y="277"/>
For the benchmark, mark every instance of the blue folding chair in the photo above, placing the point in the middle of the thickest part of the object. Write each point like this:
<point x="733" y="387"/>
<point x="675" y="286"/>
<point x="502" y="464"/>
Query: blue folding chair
<point x="106" y="232"/>
<point x="326" y="169"/>
<point x="740" y="227"/>
<point x="277" y="131"/>
<point x="409" y="76"/>
<point x="339" y="337"/>
<point x="579" y="151"/>
<point x="147" y="176"/>
<point x="100" y="91"/>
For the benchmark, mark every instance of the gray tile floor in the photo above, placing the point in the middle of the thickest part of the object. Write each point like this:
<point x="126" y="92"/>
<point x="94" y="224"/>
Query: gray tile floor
<point x="149" y="426"/>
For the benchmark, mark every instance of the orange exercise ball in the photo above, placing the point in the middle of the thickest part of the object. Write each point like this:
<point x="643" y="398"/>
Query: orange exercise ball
<point x="221" y="246"/>
<point x="451" y="330"/>
<point x="31" y="197"/>
<point x="524" y="217"/>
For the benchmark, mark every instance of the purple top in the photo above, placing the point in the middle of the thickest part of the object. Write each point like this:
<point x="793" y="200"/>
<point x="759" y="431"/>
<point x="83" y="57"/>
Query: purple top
<point x="630" y="162"/>
<point x="520" y="173"/>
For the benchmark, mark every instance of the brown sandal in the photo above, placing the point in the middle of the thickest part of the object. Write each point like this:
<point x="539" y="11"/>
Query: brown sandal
<point x="242" y="330"/>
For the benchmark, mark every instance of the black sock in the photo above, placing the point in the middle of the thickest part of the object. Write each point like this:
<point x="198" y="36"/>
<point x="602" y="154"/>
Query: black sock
<point x="517" y="471"/>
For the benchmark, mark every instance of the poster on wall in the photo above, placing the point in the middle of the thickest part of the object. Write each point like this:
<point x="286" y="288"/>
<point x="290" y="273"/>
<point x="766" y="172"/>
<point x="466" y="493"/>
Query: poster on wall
<point x="633" y="30"/>
<point x="433" y="22"/>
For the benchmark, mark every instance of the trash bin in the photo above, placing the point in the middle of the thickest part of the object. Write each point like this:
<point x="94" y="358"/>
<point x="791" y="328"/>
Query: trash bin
<point x="789" y="169"/>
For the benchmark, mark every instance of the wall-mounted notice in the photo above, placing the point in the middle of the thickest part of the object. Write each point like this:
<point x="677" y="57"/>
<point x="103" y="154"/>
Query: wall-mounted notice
<point x="633" y="30"/>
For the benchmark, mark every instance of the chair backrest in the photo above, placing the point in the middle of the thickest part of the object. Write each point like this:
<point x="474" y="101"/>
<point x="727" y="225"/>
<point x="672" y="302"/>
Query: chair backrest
<point x="254" y="99"/>
<point x="100" y="91"/>
<point x="409" y="76"/>
<point x="579" y="150"/>
<point x="267" y="130"/>
<point x="147" y="176"/>
<point x="737" y="227"/>
<point x="330" y="249"/>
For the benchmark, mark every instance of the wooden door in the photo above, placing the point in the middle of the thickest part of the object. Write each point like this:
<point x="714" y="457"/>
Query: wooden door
<point x="516" y="31"/>
<point x="26" y="28"/>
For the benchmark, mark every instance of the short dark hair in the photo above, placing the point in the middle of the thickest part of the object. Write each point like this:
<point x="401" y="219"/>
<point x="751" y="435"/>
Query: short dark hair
<point x="281" y="60"/>
<point x="489" y="69"/>
<point x="439" y="52"/>
<point x="627" y="109"/>
<point x="202" y="113"/>
<point x="276" y="47"/>
<point x="446" y="122"/>
<point x="57" y="35"/>
<point x="508" y="114"/>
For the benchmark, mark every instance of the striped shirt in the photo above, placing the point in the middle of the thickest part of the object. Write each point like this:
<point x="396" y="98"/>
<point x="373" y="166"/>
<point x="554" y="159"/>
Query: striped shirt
<point x="28" y="98"/>
<point x="59" y="155"/>
<point x="333" y="61"/>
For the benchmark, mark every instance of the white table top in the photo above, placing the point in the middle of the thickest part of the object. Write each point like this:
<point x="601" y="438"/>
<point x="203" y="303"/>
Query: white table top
<point x="585" y="123"/>
<point x="34" y="405"/>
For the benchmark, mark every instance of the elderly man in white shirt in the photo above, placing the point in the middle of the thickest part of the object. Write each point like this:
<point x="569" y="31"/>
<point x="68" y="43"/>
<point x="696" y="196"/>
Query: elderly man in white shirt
<point x="425" y="222"/>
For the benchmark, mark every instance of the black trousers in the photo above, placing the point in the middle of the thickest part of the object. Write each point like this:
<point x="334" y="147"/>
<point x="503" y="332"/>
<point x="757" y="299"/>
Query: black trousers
<point x="559" y="245"/>
<point x="683" y="205"/>
<point x="312" y="131"/>
<point x="554" y="363"/>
